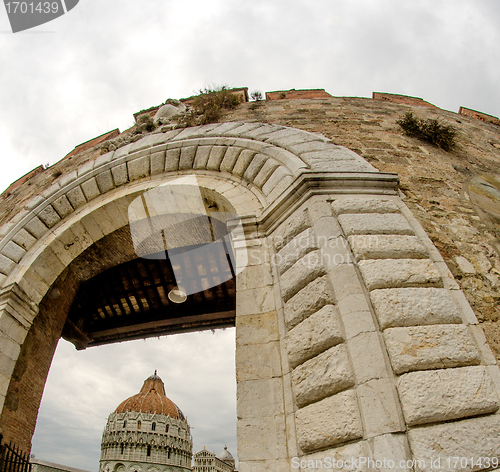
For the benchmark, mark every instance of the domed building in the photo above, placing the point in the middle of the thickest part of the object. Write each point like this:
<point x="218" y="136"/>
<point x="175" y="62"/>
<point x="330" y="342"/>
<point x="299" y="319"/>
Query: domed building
<point x="206" y="461"/>
<point x="227" y="457"/>
<point x="147" y="433"/>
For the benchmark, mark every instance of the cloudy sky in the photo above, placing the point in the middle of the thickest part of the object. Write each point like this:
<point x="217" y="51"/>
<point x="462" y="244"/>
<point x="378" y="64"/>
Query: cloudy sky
<point x="87" y="72"/>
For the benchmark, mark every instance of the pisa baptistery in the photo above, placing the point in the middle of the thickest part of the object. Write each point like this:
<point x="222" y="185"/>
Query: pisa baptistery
<point x="147" y="433"/>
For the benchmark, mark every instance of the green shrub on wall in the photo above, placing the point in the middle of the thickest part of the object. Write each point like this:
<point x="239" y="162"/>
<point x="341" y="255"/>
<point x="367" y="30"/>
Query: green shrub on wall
<point x="428" y="130"/>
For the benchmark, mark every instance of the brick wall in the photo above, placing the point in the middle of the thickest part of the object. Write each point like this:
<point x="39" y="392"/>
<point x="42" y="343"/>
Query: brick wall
<point x="20" y="411"/>
<point x="297" y="94"/>
<point x="404" y="99"/>
<point x="478" y="115"/>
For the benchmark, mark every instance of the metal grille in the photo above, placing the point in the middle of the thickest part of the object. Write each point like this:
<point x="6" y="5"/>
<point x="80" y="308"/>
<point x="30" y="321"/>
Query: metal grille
<point x="12" y="459"/>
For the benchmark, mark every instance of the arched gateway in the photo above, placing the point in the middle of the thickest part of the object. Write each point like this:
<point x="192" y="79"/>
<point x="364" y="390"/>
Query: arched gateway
<point x="352" y="338"/>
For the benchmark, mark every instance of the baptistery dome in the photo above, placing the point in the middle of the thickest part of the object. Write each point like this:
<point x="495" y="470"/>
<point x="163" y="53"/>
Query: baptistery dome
<point x="151" y="399"/>
<point x="147" y="432"/>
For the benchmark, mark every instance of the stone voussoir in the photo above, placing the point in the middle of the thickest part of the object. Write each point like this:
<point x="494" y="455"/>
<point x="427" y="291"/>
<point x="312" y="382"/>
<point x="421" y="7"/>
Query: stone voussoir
<point x="326" y="374"/>
<point x="299" y="246"/>
<point x="305" y="270"/>
<point x="307" y="301"/>
<point x="321" y="331"/>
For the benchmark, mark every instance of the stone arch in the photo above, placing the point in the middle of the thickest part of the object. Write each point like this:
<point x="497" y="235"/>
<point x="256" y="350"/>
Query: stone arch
<point x="336" y="263"/>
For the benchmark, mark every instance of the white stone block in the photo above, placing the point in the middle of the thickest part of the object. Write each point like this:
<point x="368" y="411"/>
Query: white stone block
<point x="430" y="347"/>
<point x="345" y="281"/>
<point x="139" y="168"/>
<point x="105" y="181"/>
<point x="216" y="156"/>
<point x="291" y="227"/>
<point x="474" y="438"/>
<point x="201" y="158"/>
<point x="319" y="207"/>
<point x="258" y="361"/>
<point x="310" y="299"/>
<point x="283" y="182"/>
<point x="186" y="159"/>
<point x="374" y="223"/>
<point x="93" y="229"/>
<point x="265" y="172"/>
<point x="364" y="205"/>
<point x="257" y="329"/>
<point x="62" y="206"/>
<point x="36" y="227"/>
<point x="392" y="447"/>
<point x="13" y="251"/>
<point x="76" y="197"/>
<point x="414" y="306"/>
<point x="336" y="252"/>
<point x="254" y="167"/>
<point x="172" y="159"/>
<point x="334" y="420"/>
<point x="157" y="162"/>
<point x="49" y="216"/>
<point x="253" y="301"/>
<point x="367" y="357"/>
<point x="261" y="438"/>
<point x="120" y="174"/>
<point x="259" y="398"/>
<point x="6" y="265"/>
<point x="356" y="315"/>
<point x="254" y="277"/>
<point x="388" y="273"/>
<point x="48" y="265"/>
<point x="299" y="246"/>
<point x="322" y="376"/>
<point x="321" y="331"/>
<point x="446" y="394"/>
<point x="24" y="239"/>
<point x="304" y="271"/>
<point x="381" y="246"/>
<point x="326" y="228"/>
<point x="244" y="158"/>
<point x="90" y="189"/>
<point x="380" y="408"/>
<point x="230" y="158"/>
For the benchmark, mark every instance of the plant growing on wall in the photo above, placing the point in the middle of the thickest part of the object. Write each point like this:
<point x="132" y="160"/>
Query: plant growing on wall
<point x="429" y="130"/>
